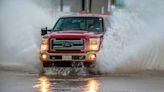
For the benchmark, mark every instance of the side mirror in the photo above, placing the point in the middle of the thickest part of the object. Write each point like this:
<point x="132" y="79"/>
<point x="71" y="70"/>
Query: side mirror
<point x="45" y="31"/>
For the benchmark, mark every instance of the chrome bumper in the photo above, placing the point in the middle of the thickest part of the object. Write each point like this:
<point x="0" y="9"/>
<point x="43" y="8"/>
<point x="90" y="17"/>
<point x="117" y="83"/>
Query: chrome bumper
<point x="55" y="57"/>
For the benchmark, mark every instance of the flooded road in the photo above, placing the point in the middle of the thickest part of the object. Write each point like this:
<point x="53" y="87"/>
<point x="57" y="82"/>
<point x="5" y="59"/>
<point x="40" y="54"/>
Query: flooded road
<point x="135" y="43"/>
<point x="24" y="82"/>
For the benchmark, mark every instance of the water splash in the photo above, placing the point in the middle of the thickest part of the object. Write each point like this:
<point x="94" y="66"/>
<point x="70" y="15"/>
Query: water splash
<point x="135" y="41"/>
<point x="66" y="71"/>
<point x="20" y="33"/>
<point x="21" y="22"/>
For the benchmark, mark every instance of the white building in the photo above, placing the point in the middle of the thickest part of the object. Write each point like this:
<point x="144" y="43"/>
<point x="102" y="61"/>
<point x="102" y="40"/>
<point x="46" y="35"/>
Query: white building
<point x="95" y="6"/>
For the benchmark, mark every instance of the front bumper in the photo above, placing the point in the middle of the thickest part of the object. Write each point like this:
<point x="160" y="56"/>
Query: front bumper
<point x="56" y="57"/>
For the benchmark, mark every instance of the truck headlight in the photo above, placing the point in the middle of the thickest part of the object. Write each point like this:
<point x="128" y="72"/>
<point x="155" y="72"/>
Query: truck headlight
<point x="94" y="43"/>
<point x="45" y="41"/>
<point x="44" y="56"/>
<point x="44" y="45"/>
<point x="91" y="57"/>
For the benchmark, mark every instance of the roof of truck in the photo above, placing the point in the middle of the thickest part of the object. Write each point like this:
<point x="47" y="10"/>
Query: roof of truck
<point x="87" y="15"/>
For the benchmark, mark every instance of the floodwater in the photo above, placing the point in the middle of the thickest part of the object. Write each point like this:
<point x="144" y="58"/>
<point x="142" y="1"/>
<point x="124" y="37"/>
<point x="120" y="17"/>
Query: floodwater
<point x="25" y="82"/>
<point x="133" y="44"/>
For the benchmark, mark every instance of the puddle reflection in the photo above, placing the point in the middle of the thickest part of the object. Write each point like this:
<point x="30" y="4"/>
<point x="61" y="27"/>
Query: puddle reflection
<point x="47" y="84"/>
<point x="44" y="84"/>
<point x="92" y="86"/>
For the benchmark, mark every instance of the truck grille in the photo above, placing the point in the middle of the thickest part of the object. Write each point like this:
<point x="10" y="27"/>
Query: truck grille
<point x="67" y="44"/>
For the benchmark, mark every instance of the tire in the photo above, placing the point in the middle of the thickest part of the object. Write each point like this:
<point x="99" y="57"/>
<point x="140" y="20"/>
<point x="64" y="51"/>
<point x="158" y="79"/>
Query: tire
<point x="46" y="64"/>
<point x="91" y="67"/>
<point x="89" y="64"/>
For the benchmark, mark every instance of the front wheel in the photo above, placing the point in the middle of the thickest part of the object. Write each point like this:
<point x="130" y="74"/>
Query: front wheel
<point x="91" y="68"/>
<point x="89" y="64"/>
<point x="46" y="64"/>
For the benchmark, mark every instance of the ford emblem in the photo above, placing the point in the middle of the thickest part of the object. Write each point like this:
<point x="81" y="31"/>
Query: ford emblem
<point x="67" y="44"/>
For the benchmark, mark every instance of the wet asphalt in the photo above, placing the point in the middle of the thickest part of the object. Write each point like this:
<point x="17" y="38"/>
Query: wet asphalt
<point x="12" y="81"/>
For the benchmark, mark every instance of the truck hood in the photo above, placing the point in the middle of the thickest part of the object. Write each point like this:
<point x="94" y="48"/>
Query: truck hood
<point x="74" y="34"/>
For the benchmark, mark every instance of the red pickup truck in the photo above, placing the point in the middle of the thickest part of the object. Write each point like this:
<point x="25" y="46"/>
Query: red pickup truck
<point x="73" y="40"/>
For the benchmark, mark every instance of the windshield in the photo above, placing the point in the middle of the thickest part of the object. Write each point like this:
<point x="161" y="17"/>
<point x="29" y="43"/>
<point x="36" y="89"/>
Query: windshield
<point x="79" y="23"/>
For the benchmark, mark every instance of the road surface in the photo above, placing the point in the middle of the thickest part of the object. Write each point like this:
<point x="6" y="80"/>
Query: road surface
<point x="12" y="81"/>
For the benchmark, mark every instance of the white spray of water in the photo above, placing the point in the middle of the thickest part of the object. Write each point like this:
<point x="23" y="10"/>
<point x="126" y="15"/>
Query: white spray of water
<point x="135" y="41"/>
<point x="21" y="21"/>
<point x="20" y="24"/>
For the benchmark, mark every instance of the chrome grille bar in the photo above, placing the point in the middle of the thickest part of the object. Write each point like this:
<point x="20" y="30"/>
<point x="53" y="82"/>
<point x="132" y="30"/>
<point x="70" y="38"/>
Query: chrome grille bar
<point x="68" y="45"/>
